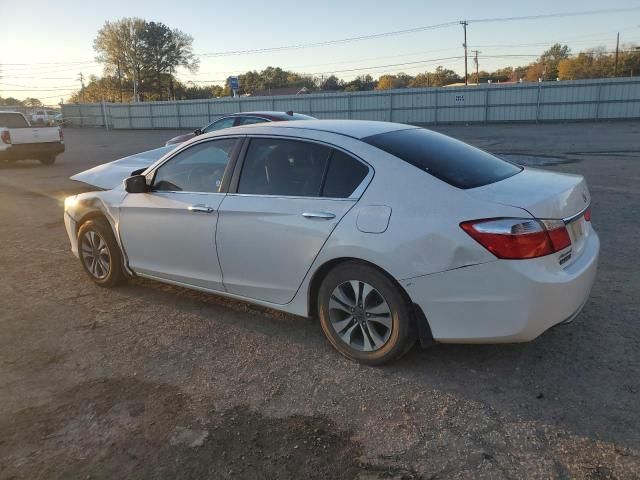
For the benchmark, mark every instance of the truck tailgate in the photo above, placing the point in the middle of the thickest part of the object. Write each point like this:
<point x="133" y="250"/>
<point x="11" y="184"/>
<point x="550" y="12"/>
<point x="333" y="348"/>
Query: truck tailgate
<point x="34" y="135"/>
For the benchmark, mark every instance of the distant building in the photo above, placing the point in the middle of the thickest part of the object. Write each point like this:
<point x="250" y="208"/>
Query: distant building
<point x="276" y="92"/>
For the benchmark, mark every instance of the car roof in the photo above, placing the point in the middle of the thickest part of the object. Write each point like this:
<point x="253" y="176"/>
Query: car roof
<point x="352" y="128"/>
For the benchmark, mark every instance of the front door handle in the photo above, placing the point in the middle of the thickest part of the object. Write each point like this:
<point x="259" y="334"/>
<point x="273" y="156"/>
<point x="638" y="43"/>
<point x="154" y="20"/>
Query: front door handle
<point x="201" y="208"/>
<point x="319" y="215"/>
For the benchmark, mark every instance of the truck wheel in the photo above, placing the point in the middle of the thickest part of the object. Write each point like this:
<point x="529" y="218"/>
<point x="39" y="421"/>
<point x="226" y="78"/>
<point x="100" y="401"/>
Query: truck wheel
<point x="48" y="160"/>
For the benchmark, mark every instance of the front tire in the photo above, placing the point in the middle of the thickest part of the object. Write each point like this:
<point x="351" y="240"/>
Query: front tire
<point x="365" y="315"/>
<point x="99" y="253"/>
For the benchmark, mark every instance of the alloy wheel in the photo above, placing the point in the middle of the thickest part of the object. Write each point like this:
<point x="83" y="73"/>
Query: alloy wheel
<point x="95" y="254"/>
<point x="360" y="316"/>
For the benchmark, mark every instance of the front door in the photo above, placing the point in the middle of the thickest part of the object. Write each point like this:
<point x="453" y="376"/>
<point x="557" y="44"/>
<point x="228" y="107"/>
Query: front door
<point x="169" y="232"/>
<point x="272" y="228"/>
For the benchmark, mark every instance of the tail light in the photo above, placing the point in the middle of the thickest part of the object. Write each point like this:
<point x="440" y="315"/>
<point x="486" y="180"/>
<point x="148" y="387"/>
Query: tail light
<point x="61" y="134"/>
<point x="5" y="136"/>
<point x="519" y="238"/>
<point x="587" y="214"/>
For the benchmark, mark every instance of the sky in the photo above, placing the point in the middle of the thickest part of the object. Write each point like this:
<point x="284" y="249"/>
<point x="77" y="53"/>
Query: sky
<point x="46" y="44"/>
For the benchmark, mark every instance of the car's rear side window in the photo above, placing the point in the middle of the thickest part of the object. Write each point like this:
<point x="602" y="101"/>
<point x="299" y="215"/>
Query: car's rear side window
<point x="12" y="120"/>
<point x="344" y="175"/>
<point x="445" y="158"/>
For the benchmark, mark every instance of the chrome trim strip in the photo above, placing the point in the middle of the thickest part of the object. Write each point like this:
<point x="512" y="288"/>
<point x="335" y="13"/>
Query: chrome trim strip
<point x="570" y="219"/>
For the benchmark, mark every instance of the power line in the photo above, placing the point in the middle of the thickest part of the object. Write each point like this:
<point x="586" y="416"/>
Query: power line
<point x="555" y="15"/>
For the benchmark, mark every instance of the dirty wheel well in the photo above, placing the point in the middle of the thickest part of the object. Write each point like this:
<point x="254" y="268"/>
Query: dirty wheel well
<point x="423" y="328"/>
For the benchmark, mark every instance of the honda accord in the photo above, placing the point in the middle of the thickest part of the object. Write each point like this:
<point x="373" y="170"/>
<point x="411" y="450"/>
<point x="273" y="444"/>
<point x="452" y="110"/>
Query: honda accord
<point x="386" y="233"/>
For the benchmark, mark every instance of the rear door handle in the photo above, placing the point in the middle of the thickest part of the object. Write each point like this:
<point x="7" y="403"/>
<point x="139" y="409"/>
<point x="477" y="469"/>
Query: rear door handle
<point x="201" y="209"/>
<point x="319" y="215"/>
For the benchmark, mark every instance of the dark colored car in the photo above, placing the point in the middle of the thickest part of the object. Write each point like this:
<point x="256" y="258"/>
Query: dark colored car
<point x="237" y="119"/>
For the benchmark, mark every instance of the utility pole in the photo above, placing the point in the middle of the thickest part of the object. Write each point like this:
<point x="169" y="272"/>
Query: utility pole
<point x="475" y="60"/>
<point x="615" y="70"/>
<point x="81" y="78"/>
<point x="464" y="24"/>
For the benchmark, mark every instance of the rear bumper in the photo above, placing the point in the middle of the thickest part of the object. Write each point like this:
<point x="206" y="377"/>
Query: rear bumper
<point x="31" y="150"/>
<point x="505" y="300"/>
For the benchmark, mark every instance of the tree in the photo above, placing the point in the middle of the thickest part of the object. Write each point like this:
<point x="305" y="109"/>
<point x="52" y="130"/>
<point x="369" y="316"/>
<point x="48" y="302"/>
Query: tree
<point x="119" y="46"/>
<point x="546" y="67"/>
<point x="10" y="102"/>
<point x="163" y="51"/>
<point x="360" y="84"/>
<point x="332" y="84"/>
<point x="387" y="82"/>
<point x="32" y="102"/>
<point x="444" y="76"/>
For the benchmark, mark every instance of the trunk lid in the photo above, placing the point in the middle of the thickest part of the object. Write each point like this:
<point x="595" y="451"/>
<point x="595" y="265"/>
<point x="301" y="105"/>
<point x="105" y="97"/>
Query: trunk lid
<point x="110" y="175"/>
<point x="546" y="195"/>
<point x="543" y="194"/>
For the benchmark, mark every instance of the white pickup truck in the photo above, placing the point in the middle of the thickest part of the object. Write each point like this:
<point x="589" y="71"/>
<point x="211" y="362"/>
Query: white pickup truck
<point x="21" y="141"/>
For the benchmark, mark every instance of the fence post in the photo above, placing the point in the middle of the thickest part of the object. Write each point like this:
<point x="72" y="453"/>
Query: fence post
<point x="486" y="104"/>
<point x="273" y="104"/>
<point x="598" y="93"/>
<point x="129" y="113"/>
<point x="208" y="111"/>
<point x="349" y="95"/>
<point x="178" y="115"/>
<point x="104" y="116"/>
<point x="435" y="112"/>
<point x="538" y="102"/>
<point x="390" y="107"/>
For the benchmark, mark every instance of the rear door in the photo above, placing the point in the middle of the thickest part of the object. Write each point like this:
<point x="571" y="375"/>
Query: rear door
<point x="279" y="212"/>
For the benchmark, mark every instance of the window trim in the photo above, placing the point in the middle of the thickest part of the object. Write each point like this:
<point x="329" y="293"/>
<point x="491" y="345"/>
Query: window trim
<point x="240" y="140"/>
<point x="355" y="195"/>
<point x="240" y="117"/>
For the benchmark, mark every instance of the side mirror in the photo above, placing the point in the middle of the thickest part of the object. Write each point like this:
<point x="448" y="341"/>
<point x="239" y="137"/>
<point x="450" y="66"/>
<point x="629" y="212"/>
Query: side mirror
<point x="197" y="131"/>
<point x="136" y="184"/>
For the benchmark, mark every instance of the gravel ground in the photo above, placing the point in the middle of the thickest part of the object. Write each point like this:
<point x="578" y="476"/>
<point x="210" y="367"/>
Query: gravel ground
<point x="154" y="381"/>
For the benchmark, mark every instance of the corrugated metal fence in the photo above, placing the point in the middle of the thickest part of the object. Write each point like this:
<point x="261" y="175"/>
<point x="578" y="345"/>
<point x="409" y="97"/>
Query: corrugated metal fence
<point x="614" y="98"/>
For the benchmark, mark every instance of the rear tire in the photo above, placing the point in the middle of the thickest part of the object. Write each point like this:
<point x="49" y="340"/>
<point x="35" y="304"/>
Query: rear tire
<point x="99" y="253"/>
<point x="48" y="160"/>
<point x="364" y="314"/>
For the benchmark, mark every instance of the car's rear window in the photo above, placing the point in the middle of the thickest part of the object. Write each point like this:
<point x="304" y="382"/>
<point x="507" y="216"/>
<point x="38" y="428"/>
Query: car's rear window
<point x="450" y="160"/>
<point x="12" y="120"/>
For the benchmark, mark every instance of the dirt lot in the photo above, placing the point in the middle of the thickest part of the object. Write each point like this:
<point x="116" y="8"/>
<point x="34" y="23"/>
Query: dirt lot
<point x="153" y="381"/>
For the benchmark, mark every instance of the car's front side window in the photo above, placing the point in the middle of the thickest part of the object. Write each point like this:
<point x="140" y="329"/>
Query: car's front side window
<point x="199" y="168"/>
<point x="220" y="124"/>
<point x="284" y="167"/>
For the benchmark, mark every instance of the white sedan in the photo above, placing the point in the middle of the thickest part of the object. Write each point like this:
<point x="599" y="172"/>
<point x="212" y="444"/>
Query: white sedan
<point x="387" y="233"/>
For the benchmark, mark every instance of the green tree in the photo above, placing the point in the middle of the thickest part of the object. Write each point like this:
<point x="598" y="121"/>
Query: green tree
<point x="163" y="51"/>
<point x="360" y="84"/>
<point x="546" y="67"/>
<point x="119" y="46"/>
<point x="31" y="102"/>
<point x="10" y="102"/>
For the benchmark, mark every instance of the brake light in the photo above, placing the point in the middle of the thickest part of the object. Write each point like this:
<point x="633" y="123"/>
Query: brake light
<point x="5" y="136"/>
<point x="519" y="238"/>
<point x="61" y="134"/>
<point x="587" y="214"/>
